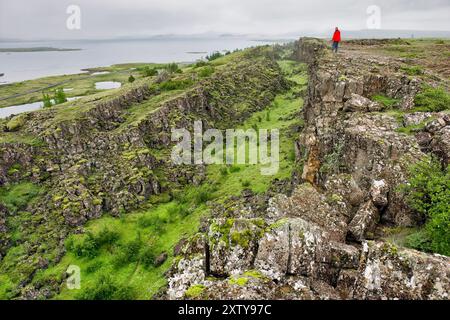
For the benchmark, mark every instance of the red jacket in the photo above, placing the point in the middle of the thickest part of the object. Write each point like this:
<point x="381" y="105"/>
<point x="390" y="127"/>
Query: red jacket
<point x="337" y="36"/>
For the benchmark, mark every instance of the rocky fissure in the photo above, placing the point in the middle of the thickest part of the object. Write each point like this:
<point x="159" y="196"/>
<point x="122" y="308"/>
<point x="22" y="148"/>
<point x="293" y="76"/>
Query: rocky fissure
<point x="103" y="159"/>
<point x="321" y="240"/>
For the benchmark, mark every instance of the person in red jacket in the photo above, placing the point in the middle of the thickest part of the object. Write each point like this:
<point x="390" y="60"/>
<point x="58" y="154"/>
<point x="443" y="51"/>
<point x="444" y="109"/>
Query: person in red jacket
<point x="336" y="39"/>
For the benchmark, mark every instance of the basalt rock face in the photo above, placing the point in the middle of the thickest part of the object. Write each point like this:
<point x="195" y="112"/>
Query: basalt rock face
<point x="103" y="158"/>
<point x="287" y="256"/>
<point x="320" y="240"/>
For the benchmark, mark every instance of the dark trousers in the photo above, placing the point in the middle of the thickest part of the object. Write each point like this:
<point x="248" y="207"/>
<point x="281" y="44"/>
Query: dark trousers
<point x="335" y="46"/>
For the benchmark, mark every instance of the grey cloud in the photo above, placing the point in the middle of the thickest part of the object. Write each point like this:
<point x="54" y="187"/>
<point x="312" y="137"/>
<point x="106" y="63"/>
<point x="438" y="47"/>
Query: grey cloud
<point x="108" y="18"/>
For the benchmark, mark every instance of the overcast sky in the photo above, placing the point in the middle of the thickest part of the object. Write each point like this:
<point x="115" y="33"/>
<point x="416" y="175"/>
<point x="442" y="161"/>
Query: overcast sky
<point x="43" y="19"/>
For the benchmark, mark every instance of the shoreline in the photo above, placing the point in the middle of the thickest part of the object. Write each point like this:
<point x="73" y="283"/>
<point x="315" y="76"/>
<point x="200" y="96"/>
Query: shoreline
<point x="37" y="49"/>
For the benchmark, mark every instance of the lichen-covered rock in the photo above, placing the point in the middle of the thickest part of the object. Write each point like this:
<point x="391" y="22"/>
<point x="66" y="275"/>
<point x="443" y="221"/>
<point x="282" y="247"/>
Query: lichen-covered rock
<point x="379" y="193"/>
<point x="359" y="103"/>
<point x="232" y="245"/>
<point x="308" y="204"/>
<point x="388" y="272"/>
<point x="272" y="257"/>
<point x="364" y="222"/>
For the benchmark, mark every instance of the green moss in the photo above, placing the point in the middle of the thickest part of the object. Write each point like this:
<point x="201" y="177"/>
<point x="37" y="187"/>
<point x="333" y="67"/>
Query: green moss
<point x="16" y="122"/>
<point x="241" y="238"/>
<point x="194" y="291"/>
<point x="390" y="248"/>
<point x="240" y="281"/>
<point x="278" y="224"/>
<point x="206" y="71"/>
<point x="254" y="274"/>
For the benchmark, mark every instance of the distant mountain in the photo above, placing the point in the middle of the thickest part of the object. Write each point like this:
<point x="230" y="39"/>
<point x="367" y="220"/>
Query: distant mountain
<point x="365" y="33"/>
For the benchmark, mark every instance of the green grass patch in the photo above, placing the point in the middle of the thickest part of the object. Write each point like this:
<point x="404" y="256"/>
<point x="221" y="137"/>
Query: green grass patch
<point x="127" y="247"/>
<point x="385" y="101"/>
<point x="413" y="70"/>
<point x="428" y="192"/>
<point x="432" y="100"/>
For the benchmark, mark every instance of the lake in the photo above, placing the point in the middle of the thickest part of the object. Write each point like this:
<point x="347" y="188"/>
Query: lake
<point x="19" y="66"/>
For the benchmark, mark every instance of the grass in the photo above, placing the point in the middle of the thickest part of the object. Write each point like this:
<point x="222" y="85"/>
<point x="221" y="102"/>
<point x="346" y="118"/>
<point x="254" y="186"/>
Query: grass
<point x="16" y="197"/>
<point x="117" y="258"/>
<point x="82" y="84"/>
<point x="385" y="101"/>
<point x="413" y="70"/>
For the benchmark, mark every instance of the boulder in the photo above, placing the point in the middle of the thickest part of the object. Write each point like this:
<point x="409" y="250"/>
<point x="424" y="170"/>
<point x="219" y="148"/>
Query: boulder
<point x="388" y="272"/>
<point x="379" y="193"/>
<point x="358" y="103"/>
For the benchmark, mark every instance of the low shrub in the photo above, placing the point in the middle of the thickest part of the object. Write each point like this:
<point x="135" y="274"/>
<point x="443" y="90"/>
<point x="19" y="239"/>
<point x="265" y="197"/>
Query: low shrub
<point x="206" y="71"/>
<point x="213" y="56"/>
<point x="105" y="288"/>
<point x="432" y="100"/>
<point x="170" y="85"/>
<point x="149" y="72"/>
<point x="385" y="101"/>
<point x="428" y="192"/>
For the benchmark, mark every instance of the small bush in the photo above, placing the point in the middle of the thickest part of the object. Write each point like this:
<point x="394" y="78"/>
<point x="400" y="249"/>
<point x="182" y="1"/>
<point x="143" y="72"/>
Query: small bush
<point x="132" y="249"/>
<point x="180" y="196"/>
<point x="206" y="71"/>
<point x="131" y="79"/>
<point x="200" y="64"/>
<point x="203" y="195"/>
<point x="246" y="183"/>
<point x="94" y="266"/>
<point x="59" y="96"/>
<point x="432" y="100"/>
<point x="86" y="247"/>
<point x="46" y="100"/>
<point x="106" y="237"/>
<point x="170" y="85"/>
<point x="213" y="56"/>
<point x="234" y="169"/>
<point x="172" y="68"/>
<point x="148" y="257"/>
<point x="177" y="210"/>
<point x="419" y="240"/>
<point x="223" y="171"/>
<point x="149" y="72"/>
<point x="105" y="288"/>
